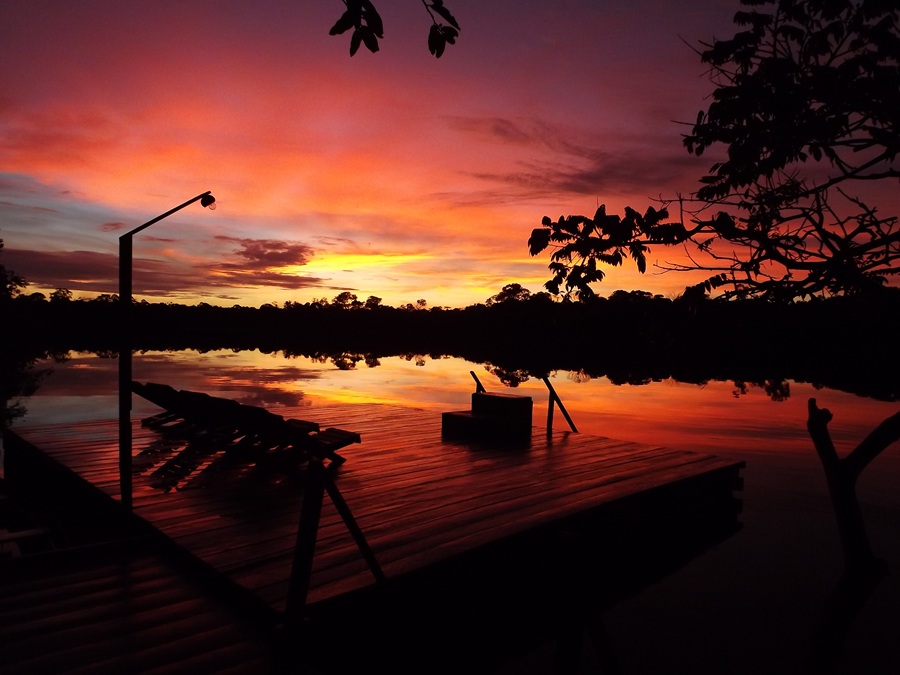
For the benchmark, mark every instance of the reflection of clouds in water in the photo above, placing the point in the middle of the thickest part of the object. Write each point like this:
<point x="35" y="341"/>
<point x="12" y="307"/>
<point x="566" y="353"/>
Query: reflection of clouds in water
<point x="268" y="397"/>
<point x="704" y="417"/>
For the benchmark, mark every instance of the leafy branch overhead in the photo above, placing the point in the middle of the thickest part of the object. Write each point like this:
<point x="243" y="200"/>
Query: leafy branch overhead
<point x="362" y="17"/>
<point x="803" y="116"/>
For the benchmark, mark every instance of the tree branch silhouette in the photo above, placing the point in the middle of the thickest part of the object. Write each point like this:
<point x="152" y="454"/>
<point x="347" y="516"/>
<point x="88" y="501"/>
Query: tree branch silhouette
<point x="805" y="107"/>
<point x="368" y="27"/>
<point x="862" y="569"/>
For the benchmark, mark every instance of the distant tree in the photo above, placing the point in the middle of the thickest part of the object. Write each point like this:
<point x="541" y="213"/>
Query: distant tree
<point x="630" y="296"/>
<point x="346" y="361"/>
<point x="362" y="17"/>
<point x="11" y="284"/>
<point x="346" y="300"/>
<point x="61" y="295"/>
<point x="18" y="377"/>
<point x="509" y="293"/>
<point x="372" y="302"/>
<point x="805" y="106"/>
<point x="510" y="378"/>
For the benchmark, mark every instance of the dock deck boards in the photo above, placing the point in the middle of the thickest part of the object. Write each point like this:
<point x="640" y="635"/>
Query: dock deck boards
<point x="418" y="498"/>
<point x="422" y="501"/>
<point x="120" y="609"/>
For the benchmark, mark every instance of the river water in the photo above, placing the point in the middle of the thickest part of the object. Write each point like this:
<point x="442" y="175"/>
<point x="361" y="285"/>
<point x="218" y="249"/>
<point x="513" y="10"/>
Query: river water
<point x="750" y="605"/>
<point x="719" y="417"/>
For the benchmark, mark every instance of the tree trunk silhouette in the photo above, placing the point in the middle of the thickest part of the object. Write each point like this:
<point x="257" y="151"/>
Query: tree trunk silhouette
<point x="862" y="570"/>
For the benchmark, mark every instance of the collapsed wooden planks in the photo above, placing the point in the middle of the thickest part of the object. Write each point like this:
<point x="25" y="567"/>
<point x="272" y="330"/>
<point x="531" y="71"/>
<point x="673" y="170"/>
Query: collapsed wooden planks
<point x="219" y="433"/>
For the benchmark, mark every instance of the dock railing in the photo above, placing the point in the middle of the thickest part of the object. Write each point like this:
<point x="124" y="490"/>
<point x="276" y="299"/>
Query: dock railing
<point x="554" y="401"/>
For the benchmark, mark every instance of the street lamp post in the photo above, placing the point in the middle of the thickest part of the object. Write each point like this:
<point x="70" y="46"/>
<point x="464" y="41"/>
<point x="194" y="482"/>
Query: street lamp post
<point x="125" y="330"/>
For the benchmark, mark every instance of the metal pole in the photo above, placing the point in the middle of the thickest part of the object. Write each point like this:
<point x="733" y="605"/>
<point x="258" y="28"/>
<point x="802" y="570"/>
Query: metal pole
<point x="125" y="439"/>
<point x="125" y="346"/>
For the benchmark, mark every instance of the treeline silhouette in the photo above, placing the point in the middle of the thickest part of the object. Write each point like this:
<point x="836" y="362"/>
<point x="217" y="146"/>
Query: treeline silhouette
<point x="846" y="343"/>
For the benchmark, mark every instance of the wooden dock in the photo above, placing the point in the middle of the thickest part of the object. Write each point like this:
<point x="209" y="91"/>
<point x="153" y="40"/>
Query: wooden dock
<point x="121" y="608"/>
<point x="501" y="543"/>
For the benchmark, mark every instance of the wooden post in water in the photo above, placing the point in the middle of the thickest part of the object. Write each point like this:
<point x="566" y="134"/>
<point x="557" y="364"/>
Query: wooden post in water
<point x="478" y="386"/>
<point x="305" y="546"/>
<point x="319" y="483"/>
<point x="555" y="399"/>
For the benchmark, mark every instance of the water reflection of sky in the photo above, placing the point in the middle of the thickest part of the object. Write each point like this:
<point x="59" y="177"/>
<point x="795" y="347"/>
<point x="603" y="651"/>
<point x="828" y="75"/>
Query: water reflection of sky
<point x="715" y="417"/>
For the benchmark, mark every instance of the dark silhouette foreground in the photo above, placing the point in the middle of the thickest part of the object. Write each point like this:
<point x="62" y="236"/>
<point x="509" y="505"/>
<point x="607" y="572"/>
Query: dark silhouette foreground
<point x="862" y="569"/>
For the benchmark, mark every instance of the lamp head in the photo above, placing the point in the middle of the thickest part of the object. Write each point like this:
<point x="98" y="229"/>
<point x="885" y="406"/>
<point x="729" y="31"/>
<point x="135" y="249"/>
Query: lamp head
<point x="209" y="202"/>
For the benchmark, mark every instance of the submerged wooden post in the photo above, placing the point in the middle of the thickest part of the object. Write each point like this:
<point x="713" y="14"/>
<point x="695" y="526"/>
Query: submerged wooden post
<point x="307" y="533"/>
<point x="862" y="569"/>
<point x="355" y="530"/>
<point x="554" y="398"/>
<point x="550" y="406"/>
<point x="478" y="386"/>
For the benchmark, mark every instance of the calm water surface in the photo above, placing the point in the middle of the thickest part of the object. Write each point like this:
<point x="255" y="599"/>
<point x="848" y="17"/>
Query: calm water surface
<point x="716" y="416"/>
<point x="749" y="605"/>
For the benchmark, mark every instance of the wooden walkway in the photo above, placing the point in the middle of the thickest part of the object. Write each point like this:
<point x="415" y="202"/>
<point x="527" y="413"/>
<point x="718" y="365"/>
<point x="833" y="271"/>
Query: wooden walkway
<point x="121" y="609"/>
<point x="430" y="510"/>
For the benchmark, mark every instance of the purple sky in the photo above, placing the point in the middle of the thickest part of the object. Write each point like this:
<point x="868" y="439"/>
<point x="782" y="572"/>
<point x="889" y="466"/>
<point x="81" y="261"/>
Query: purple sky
<point x="392" y="174"/>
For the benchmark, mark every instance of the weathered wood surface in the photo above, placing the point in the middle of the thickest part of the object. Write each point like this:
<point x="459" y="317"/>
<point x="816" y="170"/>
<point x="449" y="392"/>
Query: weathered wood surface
<point x="121" y="609"/>
<point x="419" y="499"/>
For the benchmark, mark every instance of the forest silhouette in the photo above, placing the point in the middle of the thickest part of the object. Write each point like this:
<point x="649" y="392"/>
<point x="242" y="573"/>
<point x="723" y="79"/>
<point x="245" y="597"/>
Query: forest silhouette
<point x="630" y="337"/>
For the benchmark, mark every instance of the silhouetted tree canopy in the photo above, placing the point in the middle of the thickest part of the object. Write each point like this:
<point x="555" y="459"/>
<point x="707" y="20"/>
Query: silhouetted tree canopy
<point x="630" y="337"/>
<point x="362" y="17"/>
<point x="806" y="111"/>
<point x="11" y="284"/>
<point x="510" y="293"/>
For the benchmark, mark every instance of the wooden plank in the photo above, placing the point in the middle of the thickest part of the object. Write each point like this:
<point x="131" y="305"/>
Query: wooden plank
<point x="419" y="498"/>
<point x="118" y="610"/>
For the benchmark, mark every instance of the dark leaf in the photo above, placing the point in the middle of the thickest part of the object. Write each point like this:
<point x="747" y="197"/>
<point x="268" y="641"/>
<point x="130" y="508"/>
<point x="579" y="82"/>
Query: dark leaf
<point x="445" y="14"/>
<point x="641" y="263"/>
<point x="345" y="23"/>
<point x="355" y="41"/>
<point x="373" y="19"/>
<point x="539" y="240"/>
<point x="450" y="34"/>
<point x="436" y="43"/>
<point x="369" y="39"/>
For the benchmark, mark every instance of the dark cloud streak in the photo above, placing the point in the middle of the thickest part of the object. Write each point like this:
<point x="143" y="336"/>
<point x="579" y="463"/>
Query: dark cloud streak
<point x="93" y="272"/>
<point x="271" y="252"/>
<point x="579" y="168"/>
<point x="75" y="270"/>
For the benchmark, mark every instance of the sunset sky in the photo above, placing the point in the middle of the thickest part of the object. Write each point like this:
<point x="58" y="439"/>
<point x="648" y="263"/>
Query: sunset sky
<point x="392" y="174"/>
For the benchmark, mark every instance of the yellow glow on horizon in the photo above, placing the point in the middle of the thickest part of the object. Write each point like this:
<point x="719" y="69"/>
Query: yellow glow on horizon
<point x="355" y="261"/>
<point x="356" y="397"/>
